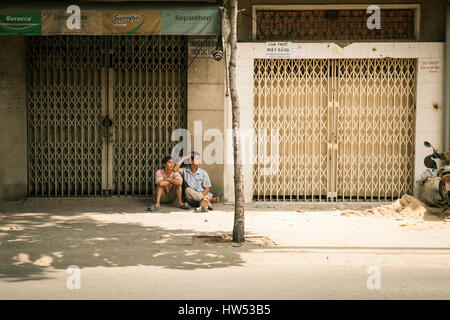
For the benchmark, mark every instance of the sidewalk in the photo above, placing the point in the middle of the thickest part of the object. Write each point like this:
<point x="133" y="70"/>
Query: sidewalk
<point x="318" y="225"/>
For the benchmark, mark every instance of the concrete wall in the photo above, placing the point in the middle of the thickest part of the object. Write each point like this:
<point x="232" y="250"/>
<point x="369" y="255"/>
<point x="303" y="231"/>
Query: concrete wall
<point x="432" y="14"/>
<point x="447" y="82"/>
<point x="206" y="113"/>
<point x="13" y="119"/>
<point x="429" y="90"/>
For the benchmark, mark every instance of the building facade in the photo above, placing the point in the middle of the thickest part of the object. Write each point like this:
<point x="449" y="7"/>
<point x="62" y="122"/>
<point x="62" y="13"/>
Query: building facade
<point x="349" y="102"/>
<point x="90" y="110"/>
<point x="334" y="107"/>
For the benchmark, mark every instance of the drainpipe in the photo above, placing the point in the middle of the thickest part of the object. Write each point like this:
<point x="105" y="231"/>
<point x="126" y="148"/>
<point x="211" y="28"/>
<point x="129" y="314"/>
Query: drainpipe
<point x="447" y="84"/>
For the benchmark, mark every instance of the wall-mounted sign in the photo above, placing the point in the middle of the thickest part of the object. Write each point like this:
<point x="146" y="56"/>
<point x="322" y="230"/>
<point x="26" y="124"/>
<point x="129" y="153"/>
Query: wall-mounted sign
<point x="94" y="21"/>
<point x="54" y="22"/>
<point x="205" y="22"/>
<point x="202" y="47"/>
<point x="132" y="22"/>
<point x="431" y="66"/>
<point x="284" y="50"/>
<point x="20" y="23"/>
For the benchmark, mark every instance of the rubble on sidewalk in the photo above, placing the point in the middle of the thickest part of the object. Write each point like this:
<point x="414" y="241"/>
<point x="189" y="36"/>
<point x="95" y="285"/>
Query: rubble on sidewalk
<point x="406" y="207"/>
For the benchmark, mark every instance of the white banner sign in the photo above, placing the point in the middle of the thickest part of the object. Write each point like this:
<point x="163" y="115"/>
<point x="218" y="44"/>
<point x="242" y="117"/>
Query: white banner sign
<point x="284" y="50"/>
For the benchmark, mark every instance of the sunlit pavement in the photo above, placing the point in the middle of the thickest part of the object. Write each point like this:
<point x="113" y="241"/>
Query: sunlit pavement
<point x="124" y="252"/>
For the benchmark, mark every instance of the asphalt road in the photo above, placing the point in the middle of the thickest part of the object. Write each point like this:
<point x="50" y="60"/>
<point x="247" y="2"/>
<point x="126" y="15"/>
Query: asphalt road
<point x="261" y="274"/>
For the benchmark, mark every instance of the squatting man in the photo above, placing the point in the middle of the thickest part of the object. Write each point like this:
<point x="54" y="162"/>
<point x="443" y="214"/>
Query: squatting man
<point x="197" y="184"/>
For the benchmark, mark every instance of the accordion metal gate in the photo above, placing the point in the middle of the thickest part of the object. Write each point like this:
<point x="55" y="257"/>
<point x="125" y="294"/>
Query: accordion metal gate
<point x="101" y="111"/>
<point x="345" y="129"/>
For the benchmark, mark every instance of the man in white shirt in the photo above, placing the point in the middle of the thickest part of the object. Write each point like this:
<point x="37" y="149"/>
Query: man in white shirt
<point x="198" y="184"/>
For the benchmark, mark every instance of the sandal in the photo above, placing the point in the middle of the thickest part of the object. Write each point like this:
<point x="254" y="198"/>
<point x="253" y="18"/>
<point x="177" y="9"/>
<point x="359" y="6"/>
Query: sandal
<point x="153" y="208"/>
<point x="185" y="206"/>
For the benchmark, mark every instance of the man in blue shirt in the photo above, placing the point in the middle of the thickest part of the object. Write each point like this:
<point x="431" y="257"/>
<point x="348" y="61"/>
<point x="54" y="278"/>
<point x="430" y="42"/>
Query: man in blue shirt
<point x="196" y="180"/>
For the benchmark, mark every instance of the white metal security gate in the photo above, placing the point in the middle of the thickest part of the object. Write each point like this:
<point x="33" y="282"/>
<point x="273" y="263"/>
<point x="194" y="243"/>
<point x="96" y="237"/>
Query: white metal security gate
<point x="346" y="129"/>
<point x="100" y="112"/>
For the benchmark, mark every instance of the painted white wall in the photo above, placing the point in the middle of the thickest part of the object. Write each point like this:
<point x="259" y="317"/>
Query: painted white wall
<point x="430" y="91"/>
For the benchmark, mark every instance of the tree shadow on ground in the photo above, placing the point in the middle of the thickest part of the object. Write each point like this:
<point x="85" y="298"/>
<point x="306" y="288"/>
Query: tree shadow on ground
<point x="33" y="243"/>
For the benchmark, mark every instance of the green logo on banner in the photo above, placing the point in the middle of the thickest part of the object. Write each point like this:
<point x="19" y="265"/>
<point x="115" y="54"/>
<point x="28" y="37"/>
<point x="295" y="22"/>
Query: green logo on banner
<point x="137" y="28"/>
<point x="20" y="23"/>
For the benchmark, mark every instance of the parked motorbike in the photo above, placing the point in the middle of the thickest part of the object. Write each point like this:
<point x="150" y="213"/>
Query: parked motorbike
<point x="436" y="186"/>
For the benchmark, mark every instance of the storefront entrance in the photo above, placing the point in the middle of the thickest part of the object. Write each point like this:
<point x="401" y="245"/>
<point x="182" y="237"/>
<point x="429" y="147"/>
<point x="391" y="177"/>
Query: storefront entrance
<point x="101" y="110"/>
<point x="346" y="128"/>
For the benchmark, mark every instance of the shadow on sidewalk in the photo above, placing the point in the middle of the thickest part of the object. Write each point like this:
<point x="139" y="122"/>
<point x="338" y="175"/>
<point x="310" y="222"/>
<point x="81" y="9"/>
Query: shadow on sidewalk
<point x="35" y="243"/>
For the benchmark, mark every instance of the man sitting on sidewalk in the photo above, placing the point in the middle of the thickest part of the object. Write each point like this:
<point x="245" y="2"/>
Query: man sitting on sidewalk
<point x="168" y="186"/>
<point x="198" y="185"/>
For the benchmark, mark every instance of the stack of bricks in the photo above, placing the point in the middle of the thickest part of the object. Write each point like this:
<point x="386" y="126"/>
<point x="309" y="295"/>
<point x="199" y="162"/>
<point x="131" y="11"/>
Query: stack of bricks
<point x="396" y="24"/>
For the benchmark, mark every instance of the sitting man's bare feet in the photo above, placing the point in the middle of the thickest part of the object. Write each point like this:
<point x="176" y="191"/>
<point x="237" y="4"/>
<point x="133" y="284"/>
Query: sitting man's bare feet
<point x="215" y="200"/>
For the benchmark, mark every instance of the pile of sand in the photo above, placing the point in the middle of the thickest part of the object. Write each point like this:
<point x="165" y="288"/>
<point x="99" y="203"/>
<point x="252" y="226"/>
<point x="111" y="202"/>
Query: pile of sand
<point x="407" y="207"/>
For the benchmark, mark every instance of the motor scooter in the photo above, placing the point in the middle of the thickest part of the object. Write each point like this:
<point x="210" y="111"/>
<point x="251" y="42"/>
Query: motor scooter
<point x="436" y="186"/>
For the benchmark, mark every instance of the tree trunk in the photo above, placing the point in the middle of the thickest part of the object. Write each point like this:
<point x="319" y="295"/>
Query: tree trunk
<point x="238" y="229"/>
